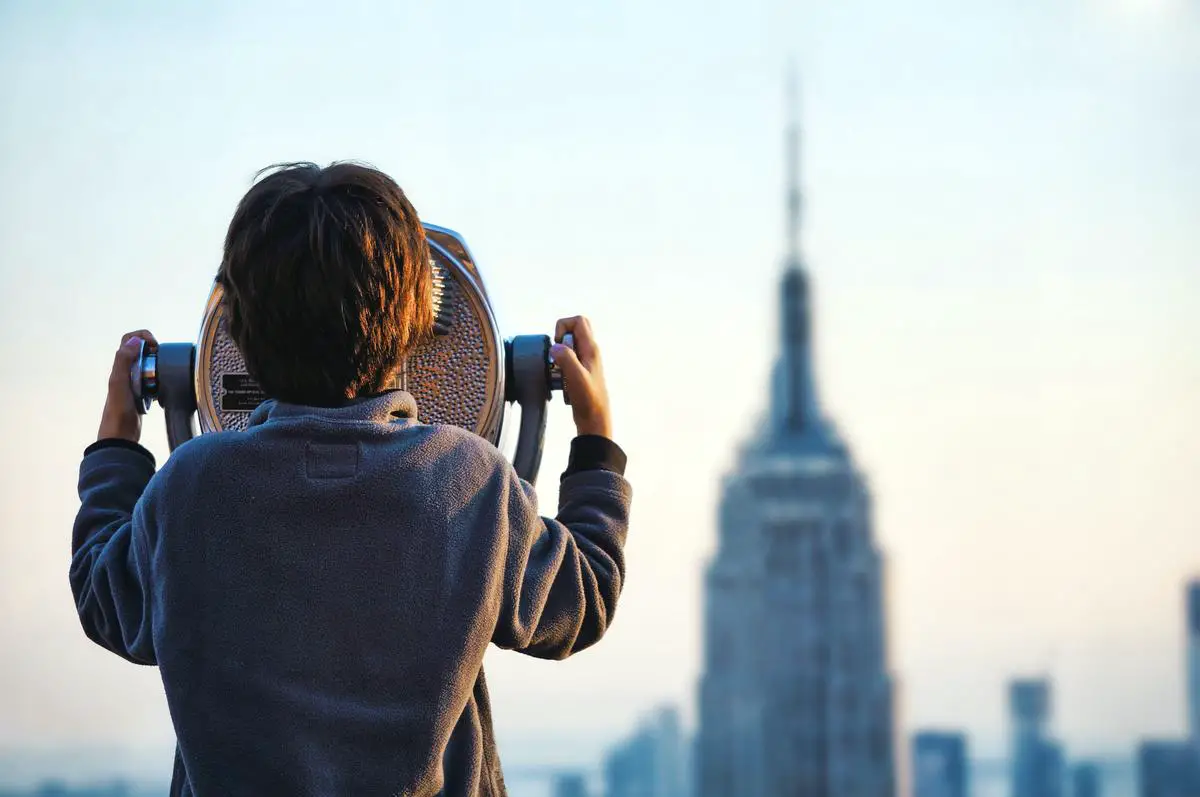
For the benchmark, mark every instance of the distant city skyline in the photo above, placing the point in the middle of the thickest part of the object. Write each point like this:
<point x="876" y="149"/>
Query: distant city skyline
<point x="1003" y="224"/>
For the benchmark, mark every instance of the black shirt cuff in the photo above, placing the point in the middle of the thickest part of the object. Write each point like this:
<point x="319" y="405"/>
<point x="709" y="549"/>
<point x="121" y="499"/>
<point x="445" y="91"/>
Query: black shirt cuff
<point x="117" y="442"/>
<point x="593" y="452"/>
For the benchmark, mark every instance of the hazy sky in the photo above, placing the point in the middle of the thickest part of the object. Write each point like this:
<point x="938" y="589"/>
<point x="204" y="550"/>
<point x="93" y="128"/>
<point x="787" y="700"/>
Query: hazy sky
<point x="1002" y="222"/>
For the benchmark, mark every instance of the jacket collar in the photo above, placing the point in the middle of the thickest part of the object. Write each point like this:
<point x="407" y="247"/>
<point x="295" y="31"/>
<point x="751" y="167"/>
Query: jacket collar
<point x="385" y="407"/>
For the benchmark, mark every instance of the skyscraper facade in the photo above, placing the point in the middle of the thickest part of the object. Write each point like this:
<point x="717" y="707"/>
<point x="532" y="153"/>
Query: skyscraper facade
<point x="1037" y="760"/>
<point x="651" y="762"/>
<point x="796" y="697"/>
<point x="569" y="784"/>
<point x="1085" y="780"/>
<point x="940" y="765"/>
<point x="1167" y="768"/>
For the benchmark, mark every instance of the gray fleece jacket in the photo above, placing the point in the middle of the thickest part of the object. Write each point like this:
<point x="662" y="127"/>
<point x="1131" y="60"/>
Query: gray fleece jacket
<point x="318" y="592"/>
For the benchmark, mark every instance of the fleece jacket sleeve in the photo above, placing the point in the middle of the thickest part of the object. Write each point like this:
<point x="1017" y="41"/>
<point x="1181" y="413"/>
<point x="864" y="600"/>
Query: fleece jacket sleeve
<point x="110" y="551"/>
<point x="563" y="576"/>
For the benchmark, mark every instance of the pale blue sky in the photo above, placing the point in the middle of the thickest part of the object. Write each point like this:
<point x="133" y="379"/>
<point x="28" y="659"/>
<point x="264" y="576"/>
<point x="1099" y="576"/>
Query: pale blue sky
<point x="1001" y="221"/>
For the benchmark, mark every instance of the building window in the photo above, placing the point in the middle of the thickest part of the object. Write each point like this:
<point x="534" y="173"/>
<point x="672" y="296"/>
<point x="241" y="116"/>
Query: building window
<point x="862" y="591"/>
<point x="843" y="540"/>
<point x="784" y="553"/>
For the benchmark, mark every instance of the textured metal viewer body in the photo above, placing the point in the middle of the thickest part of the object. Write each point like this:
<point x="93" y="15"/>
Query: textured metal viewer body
<point x="464" y="376"/>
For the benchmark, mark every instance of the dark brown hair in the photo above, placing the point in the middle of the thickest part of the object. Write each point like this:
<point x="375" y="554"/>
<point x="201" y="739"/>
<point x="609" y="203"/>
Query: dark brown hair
<point x="327" y="281"/>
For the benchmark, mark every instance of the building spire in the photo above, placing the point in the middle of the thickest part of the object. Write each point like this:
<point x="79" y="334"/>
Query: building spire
<point x="793" y="169"/>
<point x="794" y="392"/>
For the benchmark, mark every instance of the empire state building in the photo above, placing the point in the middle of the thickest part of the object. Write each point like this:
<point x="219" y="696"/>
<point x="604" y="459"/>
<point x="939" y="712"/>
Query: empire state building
<point x="796" y="698"/>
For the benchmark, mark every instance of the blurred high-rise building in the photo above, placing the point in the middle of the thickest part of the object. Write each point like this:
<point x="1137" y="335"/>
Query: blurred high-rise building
<point x="1037" y="760"/>
<point x="1055" y="767"/>
<point x="939" y="764"/>
<point x="1192" y="612"/>
<point x="1171" y="768"/>
<point x="796" y="696"/>
<point x="570" y="784"/>
<point x="651" y="762"/>
<point x="1085" y="780"/>
<point x="1167" y="769"/>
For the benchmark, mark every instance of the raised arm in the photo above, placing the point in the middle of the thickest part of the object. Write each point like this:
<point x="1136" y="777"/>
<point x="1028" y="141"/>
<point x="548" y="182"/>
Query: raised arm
<point x="563" y="576"/>
<point x="110" y="549"/>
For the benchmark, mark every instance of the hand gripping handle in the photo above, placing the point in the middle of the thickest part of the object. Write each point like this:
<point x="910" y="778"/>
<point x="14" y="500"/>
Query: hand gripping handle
<point x="530" y="381"/>
<point x="165" y="375"/>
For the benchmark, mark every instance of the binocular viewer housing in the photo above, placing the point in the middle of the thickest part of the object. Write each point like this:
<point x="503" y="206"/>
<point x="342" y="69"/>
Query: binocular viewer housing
<point x="466" y="375"/>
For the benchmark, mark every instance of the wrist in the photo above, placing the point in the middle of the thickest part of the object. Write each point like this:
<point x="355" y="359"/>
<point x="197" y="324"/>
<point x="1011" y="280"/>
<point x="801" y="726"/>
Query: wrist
<point x="128" y="438"/>
<point x="118" y="431"/>
<point x="599" y="425"/>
